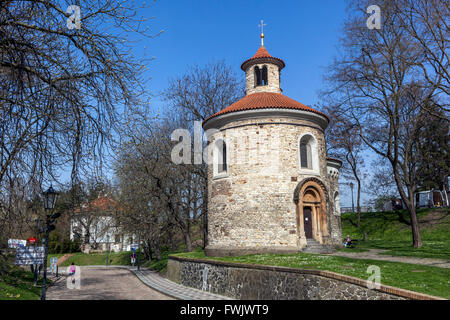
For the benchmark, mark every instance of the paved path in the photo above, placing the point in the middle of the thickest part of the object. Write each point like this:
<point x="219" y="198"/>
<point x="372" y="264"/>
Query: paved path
<point x="374" y="255"/>
<point x="103" y="283"/>
<point x="154" y="280"/>
<point x="64" y="258"/>
<point x="124" y="283"/>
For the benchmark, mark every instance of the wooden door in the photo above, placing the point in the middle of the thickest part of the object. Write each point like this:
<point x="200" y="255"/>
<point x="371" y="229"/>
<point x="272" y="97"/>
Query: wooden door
<point x="307" y="222"/>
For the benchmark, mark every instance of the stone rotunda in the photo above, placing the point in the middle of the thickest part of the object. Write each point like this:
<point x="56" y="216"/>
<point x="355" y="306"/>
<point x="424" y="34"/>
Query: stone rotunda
<point x="271" y="186"/>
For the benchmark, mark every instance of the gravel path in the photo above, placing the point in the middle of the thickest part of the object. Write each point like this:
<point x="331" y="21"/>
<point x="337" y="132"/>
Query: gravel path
<point x="105" y="284"/>
<point x="374" y="255"/>
<point x="64" y="258"/>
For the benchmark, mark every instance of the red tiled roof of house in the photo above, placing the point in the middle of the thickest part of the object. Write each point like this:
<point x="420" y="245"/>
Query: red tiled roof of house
<point x="262" y="53"/>
<point x="265" y="100"/>
<point x="102" y="203"/>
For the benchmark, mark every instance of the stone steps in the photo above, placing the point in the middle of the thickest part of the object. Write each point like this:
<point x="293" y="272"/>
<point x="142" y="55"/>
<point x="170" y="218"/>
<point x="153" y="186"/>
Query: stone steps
<point x="313" y="246"/>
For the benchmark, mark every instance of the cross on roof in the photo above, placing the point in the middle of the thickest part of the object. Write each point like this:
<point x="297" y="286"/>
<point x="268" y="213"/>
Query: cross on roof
<point x="262" y="31"/>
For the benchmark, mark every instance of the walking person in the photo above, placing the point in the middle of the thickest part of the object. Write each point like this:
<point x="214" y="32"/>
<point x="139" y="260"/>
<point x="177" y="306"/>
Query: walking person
<point x="72" y="272"/>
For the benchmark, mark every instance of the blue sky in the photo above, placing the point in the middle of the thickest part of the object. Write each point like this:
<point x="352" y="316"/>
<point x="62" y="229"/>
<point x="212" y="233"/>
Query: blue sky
<point x="305" y="34"/>
<point x="302" y="33"/>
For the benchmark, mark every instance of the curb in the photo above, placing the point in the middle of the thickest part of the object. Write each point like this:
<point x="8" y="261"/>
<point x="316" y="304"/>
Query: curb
<point x="191" y="295"/>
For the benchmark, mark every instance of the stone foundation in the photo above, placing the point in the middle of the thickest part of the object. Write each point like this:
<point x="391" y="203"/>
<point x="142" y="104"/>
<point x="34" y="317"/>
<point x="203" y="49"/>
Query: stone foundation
<point x="255" y="282"/>
<point x="230" y="251"/>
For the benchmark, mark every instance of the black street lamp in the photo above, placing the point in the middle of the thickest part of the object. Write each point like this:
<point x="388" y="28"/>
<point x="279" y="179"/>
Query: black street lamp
<point x="38" y="231"/>
<point x="139" y="253"/>
<point x="50" y="197"/>
<point x="351" y="187"/>
<point x="107" y="250"/>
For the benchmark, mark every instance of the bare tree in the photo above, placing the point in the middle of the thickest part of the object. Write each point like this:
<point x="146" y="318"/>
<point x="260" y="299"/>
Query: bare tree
<point x="375" y="83"/>
<point x="344" y="143"/>
<point x="427" y="22"/>
<point x="60" y="87"/>
<point x="196" y="95"/>
<point x="163" y="192"/>
<point x="63" y="87"/>
<point x="203" y="90"/>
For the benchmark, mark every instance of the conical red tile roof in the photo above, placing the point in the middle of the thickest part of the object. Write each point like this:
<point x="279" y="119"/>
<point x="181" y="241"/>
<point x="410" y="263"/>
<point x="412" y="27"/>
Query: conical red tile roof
<point x="262" y="54"/>
<point x="265" y="100"/>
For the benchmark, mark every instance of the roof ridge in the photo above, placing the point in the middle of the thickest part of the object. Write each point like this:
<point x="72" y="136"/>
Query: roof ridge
<point x="265" y="100"/>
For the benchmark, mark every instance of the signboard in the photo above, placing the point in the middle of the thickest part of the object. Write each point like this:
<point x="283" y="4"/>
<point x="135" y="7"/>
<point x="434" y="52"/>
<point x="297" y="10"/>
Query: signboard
<point x="30" y="255"/>
<point x="31" y="240"/>
<point x="16" y="243"/>
<point x="53" y="262"/>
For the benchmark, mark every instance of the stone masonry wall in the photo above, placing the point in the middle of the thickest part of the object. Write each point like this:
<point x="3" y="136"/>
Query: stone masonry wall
<point x="273" y="77"/>
<point x="252" y="206"/>
<point x="250" y="282"/>
<point x="334" y="218"/>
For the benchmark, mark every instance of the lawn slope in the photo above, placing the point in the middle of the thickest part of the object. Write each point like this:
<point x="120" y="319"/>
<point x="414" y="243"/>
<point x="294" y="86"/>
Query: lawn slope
<point x="392" y="231"/>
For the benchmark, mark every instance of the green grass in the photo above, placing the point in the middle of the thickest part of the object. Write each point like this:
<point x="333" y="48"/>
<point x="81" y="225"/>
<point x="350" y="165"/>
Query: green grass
<point x="17" y="284"/>
<point x="388" y="231"/>
<point x="83" y="259"/>
<point x="161" y="265"/>
<point x="425" y="279"/>
<point x="51" y="255"/>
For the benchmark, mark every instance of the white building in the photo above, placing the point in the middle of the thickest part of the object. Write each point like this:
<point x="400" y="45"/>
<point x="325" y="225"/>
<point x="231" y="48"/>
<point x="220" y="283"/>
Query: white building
<point x="95" y="225"/>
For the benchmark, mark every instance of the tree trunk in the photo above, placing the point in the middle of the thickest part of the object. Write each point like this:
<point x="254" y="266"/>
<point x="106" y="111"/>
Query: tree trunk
<point x="417" y="239"/>
<point x="187" y="239"/>
<point x="187" y="234"/>
<point x="205" y="214"/>
<point x="147" y="250"/>
<point x="409" y="201"/>
<point x="358" y="207"/>
<point x="173" y="247"/>
<point x="157" y="250"/>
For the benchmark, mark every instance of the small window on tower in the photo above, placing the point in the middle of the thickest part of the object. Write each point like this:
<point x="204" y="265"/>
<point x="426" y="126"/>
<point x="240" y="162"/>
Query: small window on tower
<point x="257" y="76"/>
<point x="264" y="76"/>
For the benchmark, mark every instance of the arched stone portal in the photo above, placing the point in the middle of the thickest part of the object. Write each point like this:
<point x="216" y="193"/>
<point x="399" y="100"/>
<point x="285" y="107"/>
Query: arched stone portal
<point x="310" y="198"/>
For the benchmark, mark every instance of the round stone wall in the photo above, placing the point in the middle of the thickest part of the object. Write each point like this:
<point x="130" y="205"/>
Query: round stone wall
<point x="251" y="207"/>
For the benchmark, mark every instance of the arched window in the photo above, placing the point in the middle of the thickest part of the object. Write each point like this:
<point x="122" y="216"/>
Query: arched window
<point x="306" y="152"/>
<point x="264" y="76"/>
<point x="261" y="78"/>
<point x="220" y="157"/>
<point x="223" y="158"/>
<point x="257" y="76"/>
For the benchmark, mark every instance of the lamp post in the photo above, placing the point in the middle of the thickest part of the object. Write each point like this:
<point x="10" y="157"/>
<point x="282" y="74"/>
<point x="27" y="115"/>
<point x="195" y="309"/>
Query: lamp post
<point x="139" y="252"/>
<point x="49" y="205"/>
<point x="38" y="231"/>
<point x="107" y="250"/>
<point x="351" y="187"/>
